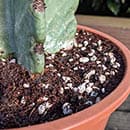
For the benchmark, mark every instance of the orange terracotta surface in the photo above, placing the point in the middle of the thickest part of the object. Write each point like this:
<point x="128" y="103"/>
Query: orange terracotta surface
<point x="96" y="116"/>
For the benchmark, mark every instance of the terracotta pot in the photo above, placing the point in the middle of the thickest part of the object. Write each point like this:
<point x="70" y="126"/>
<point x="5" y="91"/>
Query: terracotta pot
<point x="95" y="117"/>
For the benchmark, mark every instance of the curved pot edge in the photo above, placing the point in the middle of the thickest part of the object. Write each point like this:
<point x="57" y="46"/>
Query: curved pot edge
<point x="100" y="109"/>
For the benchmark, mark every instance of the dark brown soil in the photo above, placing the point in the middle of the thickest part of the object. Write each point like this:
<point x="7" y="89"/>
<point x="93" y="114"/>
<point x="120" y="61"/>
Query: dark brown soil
<point x="73" y="80"/>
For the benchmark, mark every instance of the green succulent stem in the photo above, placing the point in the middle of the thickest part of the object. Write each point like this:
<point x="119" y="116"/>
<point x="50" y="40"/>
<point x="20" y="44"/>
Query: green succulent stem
<point x="38" y="11"/>
<point x="27" y="29"/>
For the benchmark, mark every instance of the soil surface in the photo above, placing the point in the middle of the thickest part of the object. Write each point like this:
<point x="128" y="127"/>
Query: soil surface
<point x="73" y="80"/>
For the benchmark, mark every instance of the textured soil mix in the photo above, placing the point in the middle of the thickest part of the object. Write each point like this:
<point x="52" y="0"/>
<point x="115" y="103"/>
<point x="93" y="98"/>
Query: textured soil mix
<point x="73" y="80"/>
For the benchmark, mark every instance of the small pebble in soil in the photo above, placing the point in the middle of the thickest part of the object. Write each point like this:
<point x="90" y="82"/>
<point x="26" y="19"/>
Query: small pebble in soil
<point x="89" y="103"/>
<point x="41" y="109"/>
<point x="94" y="94"/>
<point x="66" y="108"/>
<point x="103" y="90"/>
<point x="44" y="107"/>
<point x="98" y="99"/>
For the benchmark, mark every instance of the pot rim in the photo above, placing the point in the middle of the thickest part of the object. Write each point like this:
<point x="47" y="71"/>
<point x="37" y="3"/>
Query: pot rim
<point x="107" y="105"/>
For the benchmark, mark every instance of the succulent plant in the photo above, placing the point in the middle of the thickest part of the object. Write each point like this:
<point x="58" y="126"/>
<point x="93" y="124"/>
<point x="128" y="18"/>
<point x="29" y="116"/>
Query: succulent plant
<point x="28" y="30"/>
<point x="60" y="24"/>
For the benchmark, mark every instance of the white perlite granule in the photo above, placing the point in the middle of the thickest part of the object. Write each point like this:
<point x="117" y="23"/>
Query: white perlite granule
<point x="85" y="43"/>
<point x="99" y="42"/>
<point x="89" y="90"/>
<point x="12" y="61"/>
<point x="75" y="68"/>
<point x="91" y="53"/>
<point x="64" y="54"/>
<point x="102" y="78"/>
<point x="23" y="101"/>
<point x="26" y="85"/>
<point x="93" y="58"/>
<point x="104" y="67"/>
<point x="70" y="85"/>
<point x="61" y="90"/>
<point x="83" y="48"/>
<point x="84" y="59"/>
<point x="80" y="45"/>
<point x="99" y="48"/>
<point x="70" y="60"/>
<point x="89" y="74"/>
<point x="66" y="79"/>
<point x="82" y="88"/>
